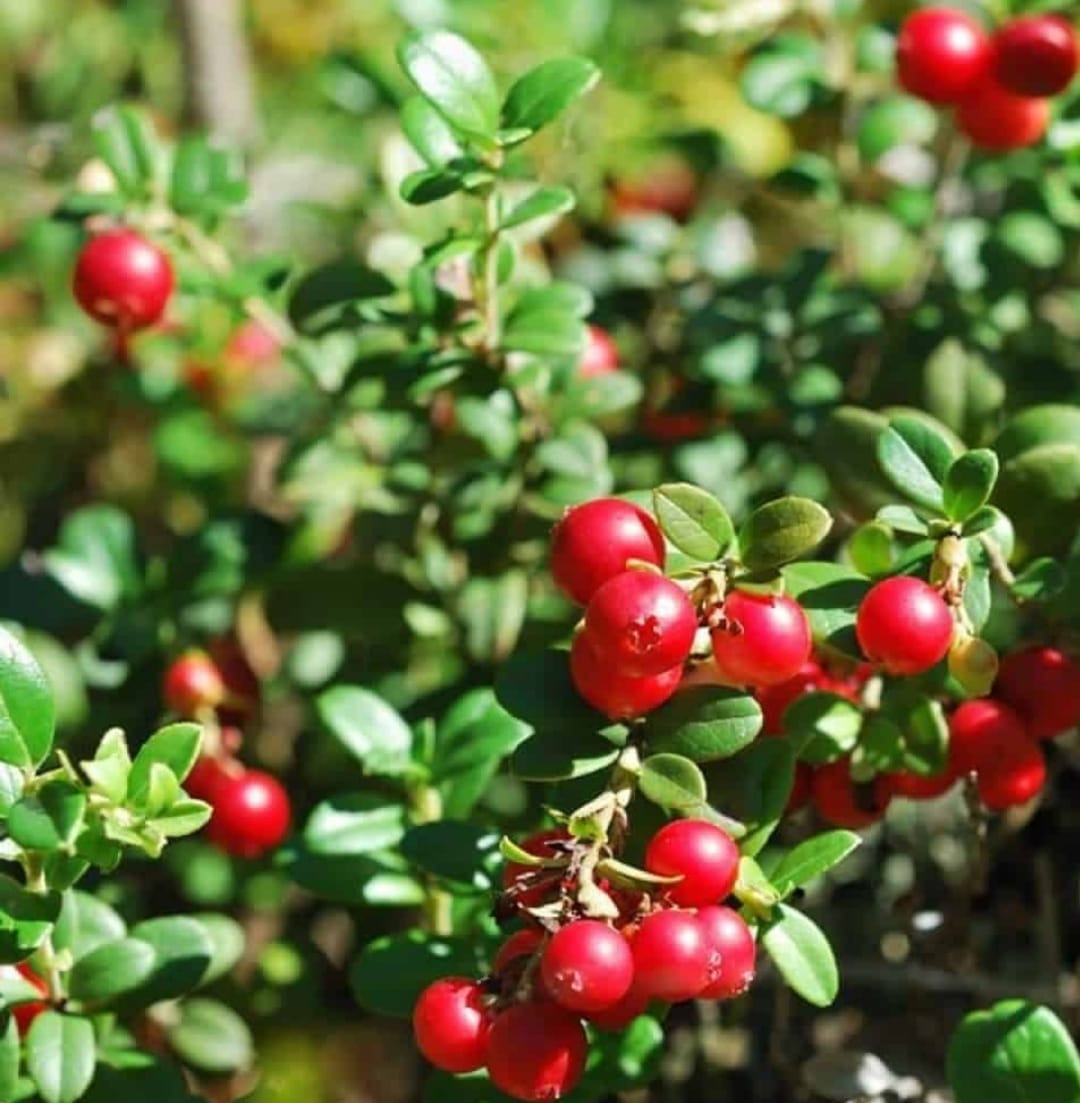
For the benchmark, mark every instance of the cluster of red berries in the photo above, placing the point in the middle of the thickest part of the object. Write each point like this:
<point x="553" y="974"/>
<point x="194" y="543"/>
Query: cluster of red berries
<point x="999" y="84"/>
<point x="524" y="1023"/>
<point x="123" y="280"/>
<point x="252" y="812"/>
<point x="24" y="1014"/>
<point x="640" y="627"/>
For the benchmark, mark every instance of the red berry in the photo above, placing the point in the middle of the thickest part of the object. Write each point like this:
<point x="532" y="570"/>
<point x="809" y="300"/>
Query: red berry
<point x="641" y="623"/>
<point x="24" y="1014"/>
<point x="193" y="684"/>
<point x="123" y="280"/>
<point x="733" y="947"/>
<point x="671" y="955"/>
<point x="206" y="778"/>
<point x="614" y="694"/>
<point x="996" y="119"/>
<point x="536" y="1052"/>
<point x="251" y="814"/>
<point x="252" y="344"/>
<point x="700" y="853"/>
<point x="904" y="783"/>
<point x="765" y="640"/>
<point x="905" y="625"/>
<point x="802" y="787"/>
<point x="620" y="1015"/>
<point x="1036" y="55"/>
<point x="1043" y="685"/>
<point x="523" y="943"/>
<point x="451" y="1024"/>
<point x="594" y="541"/>
<point x="980" y="731"/>
<point x="587" y="966"/>
<point x="542" y="882"/>
<point x="600" y="356"/>
<point x="1014" y="776"/>
<point x="843" y="803"/>
<point x="668" y="187"/>
<point x="940" y="54"/>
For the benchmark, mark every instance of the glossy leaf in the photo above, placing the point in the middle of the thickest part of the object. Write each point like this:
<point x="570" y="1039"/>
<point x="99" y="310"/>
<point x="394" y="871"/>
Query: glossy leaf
<point x="367" y="727"/>
<point x="542" y="203"/>
<point x="60" y="1056"/>
<point x="50" y="818"/>
<point x="354" y="823"/>
<point x="212" y="1037"/>
<point x="693" y="520"/>
<point x="704" y="723"/>
<point x="454" y="79"/>
<point x="545" y="92"/>
<point x="672" y="781"/>
<point x="802" y="955"/>
<point x="27" y="715"/>
<point x="111" y="970"/>
<point x="969" y="482"/>
<point x="811" y="858"/>
<point x="916" y="458"/>
<point x="782" y="530"/>
<point x="176" y="746"/>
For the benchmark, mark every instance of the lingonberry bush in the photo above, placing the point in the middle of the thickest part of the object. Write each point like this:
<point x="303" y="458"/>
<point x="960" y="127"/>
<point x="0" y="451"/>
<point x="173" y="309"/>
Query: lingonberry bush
<point x="555" y="597"/>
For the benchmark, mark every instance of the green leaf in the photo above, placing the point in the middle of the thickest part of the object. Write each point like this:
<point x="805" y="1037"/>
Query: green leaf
<point x="146" y="1079"/>
<point x="542" y="94"/>
<point x="1040" y="491"/>
<point x="122" y="140"/>
<point x="111" y="970"/>
<point x="492" y="611"/>
<point x="11" y="787"/>
<point x="212" y="1038"/>
<point x="672" y="781"/>
<point x="182" y="954"/>
<point x="693" y="520"/>
<point x="429" y="186"/>
<point x="782" y="530"/>
<point x="25" y="919"/>
<point x="227" y="940"/>
<point x="368" y="728"/>
<point x="542" y="203"/>
<point x="704" y="723"/>
<point x="536" y="687"/>
<point x="547" y="755"/>
<point x="429" y="133"/>
<point x="754" y="787"/>
<point x="49" y="819"/>
<point x="9" y="1057"/>
<point x="181" y="817"/>
<point x="802" y="955"/>
<point x="781" y="78"/>
<point x="176" y="746"/>
<point x="823" y="726"/>
<point x="454" y="79"/>
<point x="903" y="519"/>
<point x="1037" y="426"/>
<point x="962" y="390"/>
<point x="1040" y="580"/>
<point x="1015" y="1052"/>
<point x="830" y="594"/>
<point x="60" y="1056"/>
<point x="95" y="559"/>
<point x="327" y="296"/>
<point x="969" y="483"/>
<point x="110" y="767"/>
<point x="811" y="858"/>
<point x="454" y="850"/>
<point x="354" y="823"/>
<point x="916" y="458"/>
<point x="391" y="972"/>
<point x="85" y="923"/>
<point x="27" y="715"/>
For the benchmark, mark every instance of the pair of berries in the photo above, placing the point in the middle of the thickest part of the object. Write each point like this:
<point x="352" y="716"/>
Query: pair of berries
<point x="524" y="1025"/>
<point x="998" y="84"/>
<point x="640" y="626"/>
<point x="123" y="280"/>
<point x="252" y="811"/>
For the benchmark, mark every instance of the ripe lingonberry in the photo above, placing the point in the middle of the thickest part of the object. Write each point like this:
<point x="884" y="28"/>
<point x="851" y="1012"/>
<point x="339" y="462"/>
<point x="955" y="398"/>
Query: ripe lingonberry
<point x="587" y="966"/>
<point x="620" y="1015"/>
<point x="699" y="852"/>
<point x="252" y="344"/>
<point x="905" y="625"/>
<point x="641" y="623"/>
<point x="206" y="778"/>
<point x="668" y="186"/>
<point x="612" y="693"/>
<point x="999" y="120"/>
<point x="1036" y="55"/>
<point x="764" y="641"/>
<point x="940" y="54"/>
<point x="123" y="280"/>
<point x="24" y="1014"/>
<point x="541" y="882"/>
<point x="733" y="952"/>
<point x="671" y="956"/>
<point x="523" y="943"/>
<point x="905" y="783"/>
<point x="1043" y="685"/>
<point x="843" y="802"/>
<point x="1014" y="776"/>
<point x="980" y="731"/>
<point x="536" y="1052"/>
<point x="594" y="541"/>
<point x="600" y="356"/>
<point x="251" y="814"/>
<point x="193" y="684"/>
<point x="451" y="1024"/>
